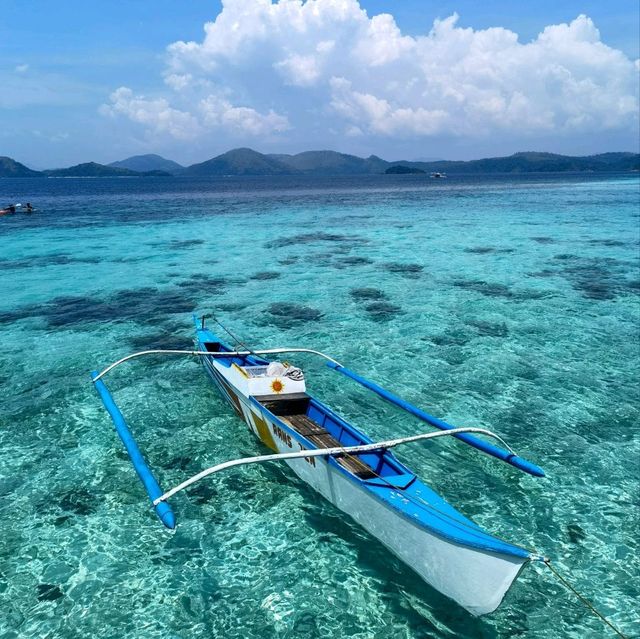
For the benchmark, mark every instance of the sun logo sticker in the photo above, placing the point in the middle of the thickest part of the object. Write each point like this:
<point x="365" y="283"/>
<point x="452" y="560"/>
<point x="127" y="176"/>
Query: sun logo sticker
<point x="277" y="386"/>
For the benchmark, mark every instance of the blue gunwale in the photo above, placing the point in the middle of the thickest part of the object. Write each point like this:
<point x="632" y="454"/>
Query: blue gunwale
<point x="413" y="499"/>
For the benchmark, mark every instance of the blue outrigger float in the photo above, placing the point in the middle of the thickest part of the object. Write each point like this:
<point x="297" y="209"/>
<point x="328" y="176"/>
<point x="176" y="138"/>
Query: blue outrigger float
<point x="361" y="477"/>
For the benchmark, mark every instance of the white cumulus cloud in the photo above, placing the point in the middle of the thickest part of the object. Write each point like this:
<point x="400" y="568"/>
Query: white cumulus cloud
<point x="155" y="113"/>
<point x="266" y="68"/>
<point x="218" y="111"/>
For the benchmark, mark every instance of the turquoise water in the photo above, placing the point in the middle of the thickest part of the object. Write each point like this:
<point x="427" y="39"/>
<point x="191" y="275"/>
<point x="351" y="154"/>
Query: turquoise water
<point x="506" y="303"/>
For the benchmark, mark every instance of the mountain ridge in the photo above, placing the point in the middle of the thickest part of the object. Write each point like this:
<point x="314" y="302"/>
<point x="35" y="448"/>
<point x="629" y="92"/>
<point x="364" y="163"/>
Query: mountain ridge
<point x="248" y="162"/>
<point x="93" y="169"/>
<point x="10" y="168"/>
<point x="147" y="162"/>
<point x="332" y="163"/>
<point x="242" y="161"/>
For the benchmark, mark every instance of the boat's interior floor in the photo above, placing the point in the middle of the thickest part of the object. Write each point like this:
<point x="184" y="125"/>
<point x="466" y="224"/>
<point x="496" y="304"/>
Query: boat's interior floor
<point x="320" y="437"/>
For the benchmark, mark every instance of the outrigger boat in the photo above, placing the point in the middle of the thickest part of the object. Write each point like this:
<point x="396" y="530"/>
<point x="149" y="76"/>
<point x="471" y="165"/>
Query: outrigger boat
<point x="361" y="477"/>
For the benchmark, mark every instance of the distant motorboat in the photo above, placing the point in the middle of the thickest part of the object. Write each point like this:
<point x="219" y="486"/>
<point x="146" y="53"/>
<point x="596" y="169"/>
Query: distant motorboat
<point x="15" y="208"/>
<point x="10" y="208"/>
<point x="438" y="175"/>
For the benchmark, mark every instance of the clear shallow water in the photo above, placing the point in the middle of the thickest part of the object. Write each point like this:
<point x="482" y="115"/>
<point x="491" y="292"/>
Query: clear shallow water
<point x="509" y="303"/>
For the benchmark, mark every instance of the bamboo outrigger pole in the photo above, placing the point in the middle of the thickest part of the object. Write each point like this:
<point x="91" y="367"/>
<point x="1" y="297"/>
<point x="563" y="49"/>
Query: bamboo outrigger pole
<point x="149" y="482"/>
<point x="505" y="455"/>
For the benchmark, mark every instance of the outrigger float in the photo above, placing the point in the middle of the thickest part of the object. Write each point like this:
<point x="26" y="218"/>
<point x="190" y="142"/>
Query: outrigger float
<point x="361" y="477"/>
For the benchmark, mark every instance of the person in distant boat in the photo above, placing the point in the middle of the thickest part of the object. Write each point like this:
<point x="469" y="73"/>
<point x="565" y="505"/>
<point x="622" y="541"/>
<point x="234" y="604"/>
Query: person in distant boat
<point x="29" y="207"/>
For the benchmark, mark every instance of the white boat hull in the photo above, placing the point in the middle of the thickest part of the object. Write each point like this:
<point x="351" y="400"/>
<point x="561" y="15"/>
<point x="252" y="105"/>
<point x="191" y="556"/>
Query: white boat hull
<point x="476" y="579"/>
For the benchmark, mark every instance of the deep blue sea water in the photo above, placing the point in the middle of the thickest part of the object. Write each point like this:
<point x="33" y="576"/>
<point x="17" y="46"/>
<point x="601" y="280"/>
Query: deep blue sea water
<point x="510" y="303"/>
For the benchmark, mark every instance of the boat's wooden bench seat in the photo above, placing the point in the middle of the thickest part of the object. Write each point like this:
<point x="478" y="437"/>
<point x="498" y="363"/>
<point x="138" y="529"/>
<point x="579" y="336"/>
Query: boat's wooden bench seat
<point x="292" y="409"/>
<point x="306" y="426"/>
<point x="322" y="439"/>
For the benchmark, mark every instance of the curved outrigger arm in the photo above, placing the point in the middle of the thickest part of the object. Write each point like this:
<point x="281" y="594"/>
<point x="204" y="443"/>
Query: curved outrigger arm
<point x="264" y="351"/>
<point x="324" y="452"/>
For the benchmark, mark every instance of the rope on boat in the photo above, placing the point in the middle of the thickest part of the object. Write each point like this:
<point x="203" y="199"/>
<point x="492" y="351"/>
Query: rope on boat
<point x="266" y="351"/>
<point x="322" y="452"/>
<point x="227" y="331"/>
<point x="582" y="598"/>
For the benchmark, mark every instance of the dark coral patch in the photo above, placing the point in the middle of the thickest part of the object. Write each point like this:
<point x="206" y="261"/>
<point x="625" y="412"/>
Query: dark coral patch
<point x="404" y="269"/>
<point x="289" y="314"/>
<point x="320" y="259"/>
<point x="168" y="341"/>
<point x="576" y="533"/>
<point x="382" y="311"/>
<point x="540" y="239"/>
<point x="199" y="284"/>
<point x="203" y="493"/>
<point x="489" y="289"/>
<point x="306" y="238"/>
<point x="493" y="289"/>
<point x="450" y="338"/>
<point x="600" y="278"/>
<point x="181" y="462"/>
<point x="288" y="260"/>
<point x="177" y="244"/>
<point x="480" y="250"/>
<point x="265" y="275"/>
<point x="367" y="294"/>
<point x="131" y="260"/>
<point x="595" y="290"/>
<point x="489" y="329"/>
<point x="79" y="502"/>
<point x="49" y="592"/>
<point x="305" y="624"/>
<point x="607" y="242"/>
<point x="545" y="272"/>
<point x="634" y="285"/>
<point x="352" y="260"/>
<point x="483" y="250"/>
<point x="231" y="306"/>
<point x="144" y="305"/>
<point x="54" y="259"/>
<point x="21" y="313"/>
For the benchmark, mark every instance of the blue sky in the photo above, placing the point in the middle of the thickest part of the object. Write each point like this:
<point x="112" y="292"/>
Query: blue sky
<point x="96" y="80"/>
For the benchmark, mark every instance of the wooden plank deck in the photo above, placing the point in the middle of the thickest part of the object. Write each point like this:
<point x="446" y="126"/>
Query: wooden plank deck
<point x="322" y="439"/>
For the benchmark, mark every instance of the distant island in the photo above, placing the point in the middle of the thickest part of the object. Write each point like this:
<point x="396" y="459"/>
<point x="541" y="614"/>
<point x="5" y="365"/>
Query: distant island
<point x="93" y="169"/>
<point x="148" y="163"/>
<point x="11" y="168"/>
<point x="244" y="161"/>
<point x="399" y="169"/>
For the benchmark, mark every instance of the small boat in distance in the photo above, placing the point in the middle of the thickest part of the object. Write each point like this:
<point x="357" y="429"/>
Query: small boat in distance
<point x="360" y="477"/>
<point x="9" y="209"/>
<point x="13" y="208"/>
<point x="437" y="174"/>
